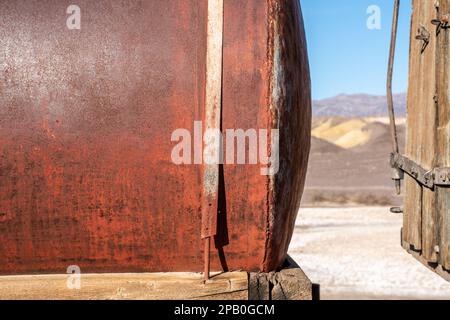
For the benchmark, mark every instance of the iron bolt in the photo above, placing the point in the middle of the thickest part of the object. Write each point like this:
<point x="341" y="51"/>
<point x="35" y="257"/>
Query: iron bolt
<point x="423" y="34"/>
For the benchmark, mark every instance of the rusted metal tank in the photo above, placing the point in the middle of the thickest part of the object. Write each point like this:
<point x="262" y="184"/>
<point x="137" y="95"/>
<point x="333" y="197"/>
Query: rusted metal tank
<point x="87" y="113"/>
<point x="426" y="163"/>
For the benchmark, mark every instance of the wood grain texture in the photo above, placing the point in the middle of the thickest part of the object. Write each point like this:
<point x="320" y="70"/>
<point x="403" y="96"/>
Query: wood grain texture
<point x="426" y="219"/>
<point x="420" y="218"/>
<point x="443" y="136"/>
<point x="143" y="286"/>
<point x="291" y="283"/>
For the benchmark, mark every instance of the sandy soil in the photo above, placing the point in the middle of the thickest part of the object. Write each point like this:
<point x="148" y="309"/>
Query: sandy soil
<point x="355" y="253"/>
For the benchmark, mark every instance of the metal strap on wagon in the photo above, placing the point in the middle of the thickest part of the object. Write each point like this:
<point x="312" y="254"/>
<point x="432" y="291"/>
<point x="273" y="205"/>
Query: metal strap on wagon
<point x="427" y="178"/>
<point x="213" y="106"/>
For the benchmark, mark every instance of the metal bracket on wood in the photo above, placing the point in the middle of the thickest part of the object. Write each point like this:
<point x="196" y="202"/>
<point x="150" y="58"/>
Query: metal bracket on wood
<point x="424" y="35"/>
<point x="427" y="178"/>
<point x="442" y="177"/>
<point x="441" y="23"/>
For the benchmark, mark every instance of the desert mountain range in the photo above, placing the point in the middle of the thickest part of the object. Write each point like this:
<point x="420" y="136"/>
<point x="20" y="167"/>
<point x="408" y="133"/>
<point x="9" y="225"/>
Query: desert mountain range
<point x="358" y="105"/>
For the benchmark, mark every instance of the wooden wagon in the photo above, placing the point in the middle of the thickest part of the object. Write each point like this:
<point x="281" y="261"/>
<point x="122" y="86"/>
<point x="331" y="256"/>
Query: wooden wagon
<point x="426" y="226"/>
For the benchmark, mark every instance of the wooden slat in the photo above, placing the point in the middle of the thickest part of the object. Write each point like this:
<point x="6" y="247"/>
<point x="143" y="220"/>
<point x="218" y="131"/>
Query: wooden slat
<point x="142" y="286"/>
<point x="427" y="138"/>
<point x="443" y="141"/>
<point x="429" y="225"/>
<point x="411" y="187"/>
<point x="420" y="219"/>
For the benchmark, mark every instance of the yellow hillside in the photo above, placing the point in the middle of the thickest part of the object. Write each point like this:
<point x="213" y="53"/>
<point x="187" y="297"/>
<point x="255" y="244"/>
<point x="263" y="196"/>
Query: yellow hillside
<point x="347" y="134"/>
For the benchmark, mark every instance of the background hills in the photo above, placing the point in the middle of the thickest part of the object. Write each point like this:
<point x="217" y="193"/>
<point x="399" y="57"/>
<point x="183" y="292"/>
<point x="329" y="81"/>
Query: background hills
<point x="358" y="105"/>
<point x="349" y="160"/>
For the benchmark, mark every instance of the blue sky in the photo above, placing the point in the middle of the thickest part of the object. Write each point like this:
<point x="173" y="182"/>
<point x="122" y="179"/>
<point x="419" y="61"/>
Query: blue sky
<point x="345" y="56"/>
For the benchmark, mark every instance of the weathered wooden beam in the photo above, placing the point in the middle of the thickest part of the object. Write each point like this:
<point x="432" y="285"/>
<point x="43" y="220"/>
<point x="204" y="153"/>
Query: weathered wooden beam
<point x="291" y="283"/>
<point x="136" y="286"/>
<point x="420" y="221"/>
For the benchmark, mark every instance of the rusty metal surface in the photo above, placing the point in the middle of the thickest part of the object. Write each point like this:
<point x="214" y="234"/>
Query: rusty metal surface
<point x="86" y="116"/>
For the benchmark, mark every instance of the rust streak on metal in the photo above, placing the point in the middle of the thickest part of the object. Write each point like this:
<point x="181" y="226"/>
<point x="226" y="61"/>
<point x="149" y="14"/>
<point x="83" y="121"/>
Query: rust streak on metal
<point x="207" y="258"/>
<point x="214" y="62"/>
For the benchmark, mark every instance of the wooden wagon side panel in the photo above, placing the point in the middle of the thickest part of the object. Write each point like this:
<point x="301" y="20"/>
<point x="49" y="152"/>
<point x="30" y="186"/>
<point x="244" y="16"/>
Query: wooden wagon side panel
<point x="426" y="213"/>
<point x="419" y="218"/>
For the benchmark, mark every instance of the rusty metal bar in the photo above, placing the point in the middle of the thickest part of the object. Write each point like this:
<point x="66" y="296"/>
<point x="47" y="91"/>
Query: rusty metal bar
<point x="397" y="175"/>
<point x="213" y="105"/>
<point x="426" y="178"/>
<point x="207" y="257"/>
<point x="417" y="172"/>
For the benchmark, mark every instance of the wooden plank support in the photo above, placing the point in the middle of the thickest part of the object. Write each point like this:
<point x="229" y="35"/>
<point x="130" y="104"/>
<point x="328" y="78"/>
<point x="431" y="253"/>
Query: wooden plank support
<point x="137" y="286"/>
<point x="291" y="283"/>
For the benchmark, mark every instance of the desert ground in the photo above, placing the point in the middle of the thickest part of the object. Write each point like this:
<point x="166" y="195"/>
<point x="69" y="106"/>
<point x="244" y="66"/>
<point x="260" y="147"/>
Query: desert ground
<point x="345" y="238"/>
<point x="355" y="253"/>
